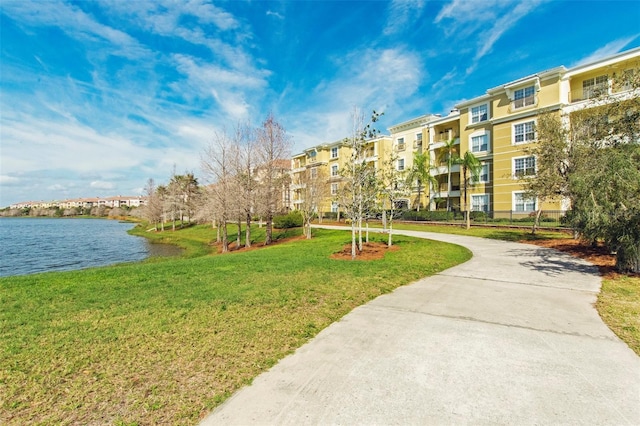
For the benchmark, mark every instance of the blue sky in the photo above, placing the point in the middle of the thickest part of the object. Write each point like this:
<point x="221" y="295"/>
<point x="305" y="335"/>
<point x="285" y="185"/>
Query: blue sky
<point x="98" y="96"/>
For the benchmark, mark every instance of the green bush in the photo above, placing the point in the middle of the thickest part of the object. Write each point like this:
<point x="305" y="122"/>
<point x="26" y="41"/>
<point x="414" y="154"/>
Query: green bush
<point x="291" y="220"/>
<point x="479" y="216"/>
<point x="427" y="215"/>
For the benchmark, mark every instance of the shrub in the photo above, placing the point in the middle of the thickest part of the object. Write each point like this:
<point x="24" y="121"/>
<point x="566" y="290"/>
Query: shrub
<point x="291" y="220"/>
<point x="427" y="215"/>
<point x="479" y="216"/>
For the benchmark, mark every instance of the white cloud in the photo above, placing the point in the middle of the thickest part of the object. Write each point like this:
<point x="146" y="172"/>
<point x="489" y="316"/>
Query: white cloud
<point x="101" y="185"/>
<point x="77" y="24"/>
<point x="608" y="49"/>
<point x="483" y="23"/>
<point x="57" y="188"/>
<point x="274" y="14"/>
<point x="9" y="180"/>
<point x="402" y="15"/>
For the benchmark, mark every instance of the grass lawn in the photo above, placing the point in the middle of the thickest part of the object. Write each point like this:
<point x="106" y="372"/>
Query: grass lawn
<point x="166" y="340"/>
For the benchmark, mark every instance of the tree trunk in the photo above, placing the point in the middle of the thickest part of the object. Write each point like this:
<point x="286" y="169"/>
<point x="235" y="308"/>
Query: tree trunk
<point x="239" y="237"/>
<point x="390" y="242"/>
<point x="225" y="237"/>
<point x="367" y="234"/>
<point x="384" y="221"/>
<point x="247" y="231"/>
<point x="353" y="239"/>
<point x="536" y="222"/>
<point x="419" y="197"/>
<point x="360" y="233"/>
<point x="268" y="239"/>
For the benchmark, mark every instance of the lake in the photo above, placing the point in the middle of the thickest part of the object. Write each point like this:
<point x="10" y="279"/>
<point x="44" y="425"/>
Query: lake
<point x="30" y="245"/>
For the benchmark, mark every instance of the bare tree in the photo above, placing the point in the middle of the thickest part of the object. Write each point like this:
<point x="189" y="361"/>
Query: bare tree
<point x="245" y="171"/>
<point x="152" y="211"/>
<point x="358" y="193"/>
<point x="394" y="187"/>
<point x="217" y="165"/>
<point x="313" y="188"/>
<point x="272" y="149"/>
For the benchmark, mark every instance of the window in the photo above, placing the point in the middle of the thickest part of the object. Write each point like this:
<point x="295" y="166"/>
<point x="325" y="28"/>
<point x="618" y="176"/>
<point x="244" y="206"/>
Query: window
<point x="334" y="207"/>
<point x="524" y="97"/>
<point x="334" y="152"/>
<point x="479" y="113"/>
<point x="419" y="138"/>
<point x="628" y="77"/>
<point x="480" y="203"/>
<point x="480" y="143"/>
<point x="334" y="188"/>
<point x="524" y="166"/>
<point x="593" y="87"/>
<point x="314" y="173"/>
<point x="401" y="146"/>
<point x="334" y="170"/>
<point x="522" y="203"/>
<point x="400" y="164"/>
<point x="483" y="175"/>
<point x="524" y="132"/>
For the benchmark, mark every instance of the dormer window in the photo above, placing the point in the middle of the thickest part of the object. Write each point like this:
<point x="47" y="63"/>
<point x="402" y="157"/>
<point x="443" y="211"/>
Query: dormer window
<point x="479" y="113"/>
<point x="524" y="97"/>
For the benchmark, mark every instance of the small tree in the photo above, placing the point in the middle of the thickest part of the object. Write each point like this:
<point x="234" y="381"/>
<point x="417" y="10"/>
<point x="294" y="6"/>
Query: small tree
<point x="471" y="168"/>
<point x="314" y="188"/>
<point x="217" y="165"/>
<point x="152" y="211"/>
<point x="420" y="173"/>
<point x="449" y="155"/>
<point x="357" y="195"/>
<point x="393" y="189"/>
<point x="273" y="146"/>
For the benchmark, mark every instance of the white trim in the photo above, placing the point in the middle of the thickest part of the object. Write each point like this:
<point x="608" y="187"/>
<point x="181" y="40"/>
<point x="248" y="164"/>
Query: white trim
<point x="481" y="132"/>
<point x="488" y="196"/>
<point x="337" y="150"/>
<point x="488" y="114"/>
<point x="523" y="122"/>
<point x="513" y="165"/>
<point x="525" y="202"/>
<point x="483" y="165"/>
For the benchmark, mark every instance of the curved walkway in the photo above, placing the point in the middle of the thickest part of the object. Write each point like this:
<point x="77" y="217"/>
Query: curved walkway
<point x="509" y="337"/>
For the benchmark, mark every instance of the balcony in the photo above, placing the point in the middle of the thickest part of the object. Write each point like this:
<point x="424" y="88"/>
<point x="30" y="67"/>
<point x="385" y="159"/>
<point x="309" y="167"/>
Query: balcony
<point x="441" y="169"/>
<point x="583" y="94"/>
<point x="445" y="137"/>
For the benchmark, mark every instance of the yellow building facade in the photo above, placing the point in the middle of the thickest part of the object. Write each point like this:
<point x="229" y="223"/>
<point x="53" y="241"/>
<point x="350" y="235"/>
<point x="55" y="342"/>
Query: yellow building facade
<point x="498" y="127"/>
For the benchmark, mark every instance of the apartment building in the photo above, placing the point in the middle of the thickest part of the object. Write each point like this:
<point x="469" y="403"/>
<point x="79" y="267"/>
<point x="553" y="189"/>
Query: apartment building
<point x="498" y="127"/>
<point x="327" y="160"/>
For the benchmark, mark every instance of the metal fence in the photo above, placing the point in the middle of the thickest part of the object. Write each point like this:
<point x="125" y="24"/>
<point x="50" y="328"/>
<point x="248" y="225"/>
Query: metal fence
<point x="548" y="218"/>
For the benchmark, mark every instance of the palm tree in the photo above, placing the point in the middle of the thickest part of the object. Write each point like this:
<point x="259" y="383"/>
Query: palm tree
<point x="420" y="173"/>
<point x="449" y="154"/>
<point x="471" y="165"/>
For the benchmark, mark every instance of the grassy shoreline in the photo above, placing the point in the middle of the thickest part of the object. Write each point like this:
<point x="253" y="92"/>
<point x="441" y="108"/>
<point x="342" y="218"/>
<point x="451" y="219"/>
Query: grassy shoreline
<point x="164" y="341"/>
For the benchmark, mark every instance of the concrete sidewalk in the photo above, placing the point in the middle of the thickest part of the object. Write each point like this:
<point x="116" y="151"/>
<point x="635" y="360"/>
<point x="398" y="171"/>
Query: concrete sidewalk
<point x="509" y="337"/>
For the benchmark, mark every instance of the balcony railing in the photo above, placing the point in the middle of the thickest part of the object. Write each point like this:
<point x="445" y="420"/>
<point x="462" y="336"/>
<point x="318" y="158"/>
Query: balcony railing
<point x="444" y="137"/>
<point x="584" y="94"/>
